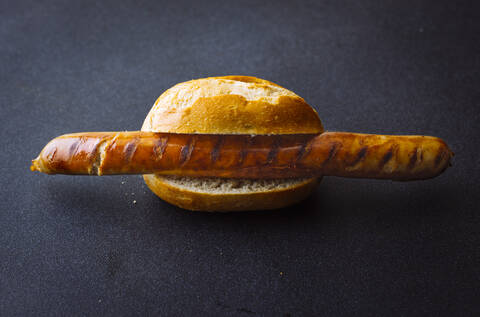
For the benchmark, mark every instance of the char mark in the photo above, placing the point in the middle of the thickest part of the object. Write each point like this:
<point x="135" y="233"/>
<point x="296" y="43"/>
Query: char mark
<point x="333" y="151"/>
<point x="413" y="159"/>
<point x="130" y="150"/>
<point x="442" y="154"/>
<point x="215" y="153"/>
<point x="186" y="151"/>
<point x="360" y="156"/>
<point x="74" y="148"/>
<point x="51" y="154"/>
<point x="160" y="146"/>
<point x="272" y="155"/>
<point x="387" y="157"/>
<point x="304" y="150"/>
<point x="244" y="151"/>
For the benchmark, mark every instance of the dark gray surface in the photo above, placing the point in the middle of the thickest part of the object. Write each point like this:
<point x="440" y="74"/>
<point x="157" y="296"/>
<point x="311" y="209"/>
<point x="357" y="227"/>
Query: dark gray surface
<point x="79" y="246"/>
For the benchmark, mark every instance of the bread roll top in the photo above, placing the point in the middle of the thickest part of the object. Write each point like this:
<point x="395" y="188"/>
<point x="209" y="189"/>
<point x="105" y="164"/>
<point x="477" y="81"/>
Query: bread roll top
<point x="231" y="105"/>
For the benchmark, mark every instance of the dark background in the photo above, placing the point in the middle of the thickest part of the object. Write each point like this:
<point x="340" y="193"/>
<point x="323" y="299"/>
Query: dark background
<point x="80" y="246"/>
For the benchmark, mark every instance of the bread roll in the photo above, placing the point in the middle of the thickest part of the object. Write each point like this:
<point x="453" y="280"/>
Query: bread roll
<point x="230" y="105"/>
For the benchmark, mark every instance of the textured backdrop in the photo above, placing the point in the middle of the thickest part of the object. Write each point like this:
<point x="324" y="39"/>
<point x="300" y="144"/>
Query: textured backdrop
<point x="79" y="245"/>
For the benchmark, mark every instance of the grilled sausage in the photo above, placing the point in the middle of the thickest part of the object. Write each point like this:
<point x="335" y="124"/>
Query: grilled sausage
<point x="246" y="156"/>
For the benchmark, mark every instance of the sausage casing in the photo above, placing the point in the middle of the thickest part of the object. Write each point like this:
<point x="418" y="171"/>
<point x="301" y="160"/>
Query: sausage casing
<point x="246" y="156"/>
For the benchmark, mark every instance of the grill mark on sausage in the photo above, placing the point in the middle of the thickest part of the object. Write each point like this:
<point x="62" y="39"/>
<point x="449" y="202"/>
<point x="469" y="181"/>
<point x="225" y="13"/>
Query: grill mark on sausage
<point x="59" y="165"/>
<point x="272" y="154"/>
<point x="440" y="156"/>
<point x="51" y="156"/>
<point x="244" y="151"/>
<point x="360" y="156"/>
<point x="186" y="151"/>
<point x="159" y="147"/>
<point x="413" y="159"/>
<point x="387" y="156"/>
<point x="130" y="149"/>
<point x="300" y="153"/>
<point x="215" y="153"/>
<point x="332" y="152"/>
<point x="110" y="144"/>
<point x="304" y="150"/>
<point x="74" y="148"/>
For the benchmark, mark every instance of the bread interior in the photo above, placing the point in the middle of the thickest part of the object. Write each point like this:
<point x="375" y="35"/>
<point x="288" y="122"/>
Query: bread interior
<point x="231" y="185"/>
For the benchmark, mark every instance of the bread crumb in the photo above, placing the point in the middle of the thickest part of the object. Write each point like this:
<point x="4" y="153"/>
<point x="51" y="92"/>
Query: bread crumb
<point x="281" y="273"/>
<point x="134" y="201"/>
<point x="123" y="182"/>
<point x="230" y="186"/>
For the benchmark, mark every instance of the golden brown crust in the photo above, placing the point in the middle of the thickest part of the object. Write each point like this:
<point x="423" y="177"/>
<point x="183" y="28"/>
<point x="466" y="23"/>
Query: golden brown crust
<point x="249" y="79"/>
<point x="204" y="201"/>
<point x="231" y="104"/>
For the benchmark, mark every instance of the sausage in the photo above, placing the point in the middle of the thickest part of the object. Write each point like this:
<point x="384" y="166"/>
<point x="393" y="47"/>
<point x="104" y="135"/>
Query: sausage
<point x="246" y="156"/>
<point x="400" y="158"/>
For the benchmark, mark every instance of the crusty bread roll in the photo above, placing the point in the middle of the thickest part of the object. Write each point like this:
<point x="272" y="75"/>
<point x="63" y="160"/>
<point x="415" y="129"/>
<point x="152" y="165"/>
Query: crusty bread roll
<point x="230" y="105"/>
